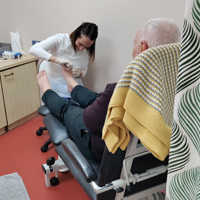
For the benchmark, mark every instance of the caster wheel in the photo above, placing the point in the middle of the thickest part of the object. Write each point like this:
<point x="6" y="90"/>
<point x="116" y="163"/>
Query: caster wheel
<point x="39" y="132"/>
<point x="54" y="181"/>
<point x="44" y="148"/>
<point x="50" y="161"/>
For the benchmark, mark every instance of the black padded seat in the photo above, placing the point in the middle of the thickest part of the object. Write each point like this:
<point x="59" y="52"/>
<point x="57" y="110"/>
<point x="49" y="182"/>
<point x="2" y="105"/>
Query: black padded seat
<point x="86" y="171"/>
<point x="76" y="173"/>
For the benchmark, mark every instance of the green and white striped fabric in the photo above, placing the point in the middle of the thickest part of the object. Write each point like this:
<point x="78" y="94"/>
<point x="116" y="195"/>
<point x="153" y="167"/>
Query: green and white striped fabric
<point x="183" y="181"/>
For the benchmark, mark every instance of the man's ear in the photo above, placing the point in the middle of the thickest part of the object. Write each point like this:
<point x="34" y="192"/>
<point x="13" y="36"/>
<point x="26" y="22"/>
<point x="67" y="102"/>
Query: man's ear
<point x="144" y="45"/>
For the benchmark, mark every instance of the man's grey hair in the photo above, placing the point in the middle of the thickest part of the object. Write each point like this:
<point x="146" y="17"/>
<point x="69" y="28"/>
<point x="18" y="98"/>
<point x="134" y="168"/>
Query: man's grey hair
<point x="160" y="31"/>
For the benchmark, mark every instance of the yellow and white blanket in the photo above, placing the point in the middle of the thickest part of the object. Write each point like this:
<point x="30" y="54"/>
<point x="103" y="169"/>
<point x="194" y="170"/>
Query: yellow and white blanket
<point x="143" y="102"/>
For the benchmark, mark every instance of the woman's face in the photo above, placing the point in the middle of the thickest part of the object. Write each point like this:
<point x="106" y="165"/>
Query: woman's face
<point x="83" y="42"/>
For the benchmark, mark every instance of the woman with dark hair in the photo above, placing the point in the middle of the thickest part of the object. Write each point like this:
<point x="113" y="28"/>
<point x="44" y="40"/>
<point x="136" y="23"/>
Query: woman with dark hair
<point x="73" y="51"/>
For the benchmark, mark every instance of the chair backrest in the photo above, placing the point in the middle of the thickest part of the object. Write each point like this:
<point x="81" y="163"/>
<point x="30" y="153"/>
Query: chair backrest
<point x="143" y="101"/>
<point x="150" y="79"/>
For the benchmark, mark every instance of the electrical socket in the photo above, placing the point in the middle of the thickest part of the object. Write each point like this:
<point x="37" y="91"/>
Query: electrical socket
<point x="35" y="41"/>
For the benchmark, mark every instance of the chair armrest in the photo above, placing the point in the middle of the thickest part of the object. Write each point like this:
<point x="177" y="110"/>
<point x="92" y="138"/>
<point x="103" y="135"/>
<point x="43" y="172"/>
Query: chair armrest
<point x="43" y="110"/>
<point x="79" y="160"/>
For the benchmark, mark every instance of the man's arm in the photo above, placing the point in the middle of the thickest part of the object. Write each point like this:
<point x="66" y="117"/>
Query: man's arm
<point x="95" y="114"/>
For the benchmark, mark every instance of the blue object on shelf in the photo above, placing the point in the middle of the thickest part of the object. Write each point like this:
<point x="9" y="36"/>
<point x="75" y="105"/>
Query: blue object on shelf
<point x="10" y="54"/>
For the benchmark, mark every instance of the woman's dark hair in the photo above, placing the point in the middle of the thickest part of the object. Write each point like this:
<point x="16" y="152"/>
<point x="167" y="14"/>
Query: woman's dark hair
<point x="91" y="31"/>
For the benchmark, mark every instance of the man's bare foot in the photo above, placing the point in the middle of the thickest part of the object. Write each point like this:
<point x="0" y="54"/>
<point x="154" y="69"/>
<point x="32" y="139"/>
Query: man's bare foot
<point x="71" y="83"/>
<point x="43" y="81"/>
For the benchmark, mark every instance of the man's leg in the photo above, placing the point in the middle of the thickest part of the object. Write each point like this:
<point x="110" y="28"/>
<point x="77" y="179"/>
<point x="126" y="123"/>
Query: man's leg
<point x="80" y="94"/>
<point x="71" y="83"/>
<point x="69" y="112"/>
<point x="79" y="133"/>
<point x="52" y="100"/>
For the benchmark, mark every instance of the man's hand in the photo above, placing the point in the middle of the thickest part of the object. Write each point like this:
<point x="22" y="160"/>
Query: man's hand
<point x="76" y="72"/>
<point x="65" y="63"/>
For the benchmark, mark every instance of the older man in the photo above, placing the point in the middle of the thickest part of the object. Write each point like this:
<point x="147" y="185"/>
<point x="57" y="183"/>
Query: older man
<point x="85" y="114"/>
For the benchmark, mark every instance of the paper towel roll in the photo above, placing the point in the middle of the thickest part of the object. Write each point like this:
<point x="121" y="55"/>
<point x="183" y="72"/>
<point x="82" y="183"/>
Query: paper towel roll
<point x="16" y="42"/>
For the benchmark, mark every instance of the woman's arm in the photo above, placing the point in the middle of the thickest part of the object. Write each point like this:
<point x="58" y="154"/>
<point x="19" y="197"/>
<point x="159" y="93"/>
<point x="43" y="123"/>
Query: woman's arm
<point x="40" y="50"/>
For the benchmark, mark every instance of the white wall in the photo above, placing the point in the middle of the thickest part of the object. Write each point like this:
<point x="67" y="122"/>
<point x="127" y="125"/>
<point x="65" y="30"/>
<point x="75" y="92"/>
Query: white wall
<point x="118" y="22"/>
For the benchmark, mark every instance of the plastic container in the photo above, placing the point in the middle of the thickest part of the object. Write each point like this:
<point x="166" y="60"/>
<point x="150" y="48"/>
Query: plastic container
<point x="10" y="54"/>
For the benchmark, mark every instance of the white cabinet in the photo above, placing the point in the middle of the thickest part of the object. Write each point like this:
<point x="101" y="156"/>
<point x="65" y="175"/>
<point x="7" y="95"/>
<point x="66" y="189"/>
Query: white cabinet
<point x="20" y="92"/>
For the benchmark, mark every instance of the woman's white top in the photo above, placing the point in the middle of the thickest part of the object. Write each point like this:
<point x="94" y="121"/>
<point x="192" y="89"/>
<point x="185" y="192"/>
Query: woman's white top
<point x="59" y="45"/>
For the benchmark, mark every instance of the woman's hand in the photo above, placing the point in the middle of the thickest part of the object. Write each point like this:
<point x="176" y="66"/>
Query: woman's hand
<point x="76" y="72"/>
<point x="65" y="63"/>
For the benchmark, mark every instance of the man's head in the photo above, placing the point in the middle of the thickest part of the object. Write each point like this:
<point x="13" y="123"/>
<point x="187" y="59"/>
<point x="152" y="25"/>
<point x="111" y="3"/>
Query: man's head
<point x="158" y="31"/>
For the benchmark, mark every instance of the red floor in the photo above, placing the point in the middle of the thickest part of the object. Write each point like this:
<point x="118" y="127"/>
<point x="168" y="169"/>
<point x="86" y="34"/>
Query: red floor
<point x="20" y="152"/>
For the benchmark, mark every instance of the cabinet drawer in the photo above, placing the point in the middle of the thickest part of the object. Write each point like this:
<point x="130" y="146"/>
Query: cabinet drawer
<point x="21" y="93"/>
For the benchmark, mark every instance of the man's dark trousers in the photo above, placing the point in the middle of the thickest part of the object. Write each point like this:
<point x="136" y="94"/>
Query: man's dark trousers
<point x="71" y="113"/>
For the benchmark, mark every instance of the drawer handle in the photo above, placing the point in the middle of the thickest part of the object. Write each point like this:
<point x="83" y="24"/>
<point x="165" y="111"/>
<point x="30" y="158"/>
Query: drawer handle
<point x="9" y="74"/>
